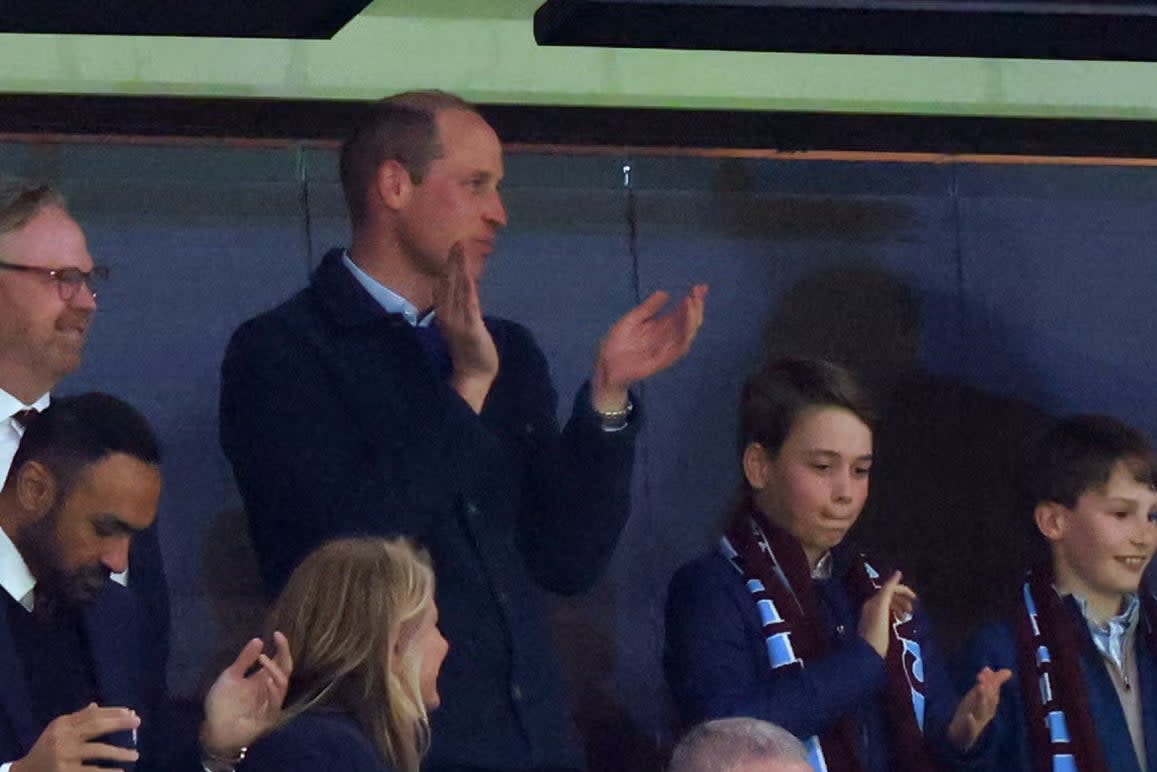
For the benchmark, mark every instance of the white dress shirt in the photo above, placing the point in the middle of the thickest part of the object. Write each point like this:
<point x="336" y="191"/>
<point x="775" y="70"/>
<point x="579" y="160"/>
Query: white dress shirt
<point x="17" y="581"/>
<point x="15" y="577"/>
<point x="10" y="430"/>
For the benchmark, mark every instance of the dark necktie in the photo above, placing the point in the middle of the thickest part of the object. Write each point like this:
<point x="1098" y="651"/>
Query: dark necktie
<point x="23" y="417"/>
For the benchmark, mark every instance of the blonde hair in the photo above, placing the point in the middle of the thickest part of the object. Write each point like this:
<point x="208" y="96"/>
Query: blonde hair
<point x="350" y="612"/>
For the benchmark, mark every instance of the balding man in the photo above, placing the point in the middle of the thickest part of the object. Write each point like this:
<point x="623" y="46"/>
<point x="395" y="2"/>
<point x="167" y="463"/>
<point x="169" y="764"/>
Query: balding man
<point x="739" y="745"/>
<point x="380" y="399"/>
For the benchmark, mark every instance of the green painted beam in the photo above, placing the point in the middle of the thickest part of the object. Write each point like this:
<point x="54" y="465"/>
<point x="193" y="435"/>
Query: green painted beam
<point x="485" y="50"/>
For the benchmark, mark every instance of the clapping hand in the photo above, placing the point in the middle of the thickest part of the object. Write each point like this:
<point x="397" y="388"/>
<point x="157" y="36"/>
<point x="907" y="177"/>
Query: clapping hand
<point x="976" y="710"/>
<point x="459" y="317"/>
<point x="239" y="708"/>
<point x="644" y="342"/>
<point x="891" y="600"/>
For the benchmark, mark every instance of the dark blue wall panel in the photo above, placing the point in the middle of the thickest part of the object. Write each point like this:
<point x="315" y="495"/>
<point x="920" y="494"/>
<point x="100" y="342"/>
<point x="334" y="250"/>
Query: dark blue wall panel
<point x="1030" y="281"/>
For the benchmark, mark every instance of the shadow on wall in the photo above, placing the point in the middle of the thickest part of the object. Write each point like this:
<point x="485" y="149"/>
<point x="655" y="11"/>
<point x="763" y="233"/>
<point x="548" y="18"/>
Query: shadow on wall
<point x="945" y="504"/>
<point x="585" y="645"/>
<point x="752" y="209"/>
<point x="233" y="582"/>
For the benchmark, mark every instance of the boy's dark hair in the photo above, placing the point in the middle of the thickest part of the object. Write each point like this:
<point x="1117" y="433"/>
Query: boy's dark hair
<point x="1078" y="455"/>
<point x="74" y="432"/>
<point x="777" y="393"/>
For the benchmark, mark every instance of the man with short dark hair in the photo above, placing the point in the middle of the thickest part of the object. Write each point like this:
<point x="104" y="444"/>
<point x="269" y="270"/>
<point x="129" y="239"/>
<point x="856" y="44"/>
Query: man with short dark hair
<point x="76" y="686"/>
<point x="381" y="400"/>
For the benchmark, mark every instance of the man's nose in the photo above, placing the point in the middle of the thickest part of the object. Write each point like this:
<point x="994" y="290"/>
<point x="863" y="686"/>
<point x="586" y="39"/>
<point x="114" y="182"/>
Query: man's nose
<point x="116" y="555"/>
<point x="496" y="212"/>
<point x="84" y="297"/>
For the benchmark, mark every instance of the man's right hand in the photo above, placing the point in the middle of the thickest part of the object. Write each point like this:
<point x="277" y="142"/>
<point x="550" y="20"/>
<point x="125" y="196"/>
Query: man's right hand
<point x="67" y="744"/>
<point x="471" y="347"/>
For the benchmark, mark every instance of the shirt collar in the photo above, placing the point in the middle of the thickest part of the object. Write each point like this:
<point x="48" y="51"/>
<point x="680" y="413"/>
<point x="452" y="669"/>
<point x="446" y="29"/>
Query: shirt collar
<point x="823" y="569"/>
<point x="1110" y="639"/>
<point x="10" y="405"/>
<point x="15" y="577"/>
<point x="392" y="302"/>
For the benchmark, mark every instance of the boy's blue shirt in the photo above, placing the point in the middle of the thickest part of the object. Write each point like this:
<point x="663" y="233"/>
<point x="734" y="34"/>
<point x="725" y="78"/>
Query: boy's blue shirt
<point x="1006" y="745"/>
<point x="1110" y="639"/>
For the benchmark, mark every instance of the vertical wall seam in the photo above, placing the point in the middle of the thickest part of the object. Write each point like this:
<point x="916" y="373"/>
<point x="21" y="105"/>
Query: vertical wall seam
<point x="961" y="305"/>
<point x="646" y="505"/>
<point x="303" y="201"/>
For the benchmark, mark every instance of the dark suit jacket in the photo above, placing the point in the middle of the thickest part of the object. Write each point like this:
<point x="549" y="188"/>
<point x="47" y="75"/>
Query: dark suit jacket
<point x="995" y="646"/>
<point x="111" y="625"/>
<point x="148" y="583"/>
<point x="337" y="424"/>
<point x="316" y="740"/>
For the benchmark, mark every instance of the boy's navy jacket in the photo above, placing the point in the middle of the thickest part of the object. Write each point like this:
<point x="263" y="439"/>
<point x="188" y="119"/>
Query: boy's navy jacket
<point x="717" y="665"/>
<point x="1008" y="747"/>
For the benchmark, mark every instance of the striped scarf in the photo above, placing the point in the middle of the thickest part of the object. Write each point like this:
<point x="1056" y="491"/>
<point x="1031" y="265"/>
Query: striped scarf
<point x="1062" y="736"/>
<point x="779" y="578"/>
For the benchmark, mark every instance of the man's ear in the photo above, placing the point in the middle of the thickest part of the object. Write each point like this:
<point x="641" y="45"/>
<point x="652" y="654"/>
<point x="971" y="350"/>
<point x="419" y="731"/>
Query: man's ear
<point x="756" y="466"/>
<point x="393" y="185"/>
<point x="36" y="488"/>
<point x="1051" y="519"/>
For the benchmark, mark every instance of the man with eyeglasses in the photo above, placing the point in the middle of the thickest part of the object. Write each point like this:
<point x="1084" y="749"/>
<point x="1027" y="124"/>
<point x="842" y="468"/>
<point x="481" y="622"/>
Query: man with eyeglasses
<point x="48" y="290"/>
<point x="47" y="302"/>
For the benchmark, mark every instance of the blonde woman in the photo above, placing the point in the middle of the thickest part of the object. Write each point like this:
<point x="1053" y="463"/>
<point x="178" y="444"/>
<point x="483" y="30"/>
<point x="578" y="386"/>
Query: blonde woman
<point x="361" y="620"/>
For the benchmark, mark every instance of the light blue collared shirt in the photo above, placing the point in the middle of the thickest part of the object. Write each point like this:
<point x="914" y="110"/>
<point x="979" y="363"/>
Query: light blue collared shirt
<point x="1110" y="639"/>
<point x="391" y="301"/>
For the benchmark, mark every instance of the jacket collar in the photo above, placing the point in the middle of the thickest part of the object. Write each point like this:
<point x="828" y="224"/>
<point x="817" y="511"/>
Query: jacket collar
<point x="344" y="299"/>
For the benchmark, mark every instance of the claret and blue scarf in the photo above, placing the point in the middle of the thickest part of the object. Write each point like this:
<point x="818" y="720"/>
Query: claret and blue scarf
<point x="1062" y="735"/>
<point x="778" y="575"/>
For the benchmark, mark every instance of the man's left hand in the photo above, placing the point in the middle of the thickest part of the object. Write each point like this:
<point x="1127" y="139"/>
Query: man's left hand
<point x="644" y="342"/>
<point x="240" y="708"/>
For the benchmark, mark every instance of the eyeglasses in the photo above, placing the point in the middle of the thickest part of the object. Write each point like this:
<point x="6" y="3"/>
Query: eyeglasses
<point x="68" y="280"/>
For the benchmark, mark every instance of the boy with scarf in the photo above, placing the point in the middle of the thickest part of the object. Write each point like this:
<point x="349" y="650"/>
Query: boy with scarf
<point x="788" y="623"/>
<point x="1081" y="641"/>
